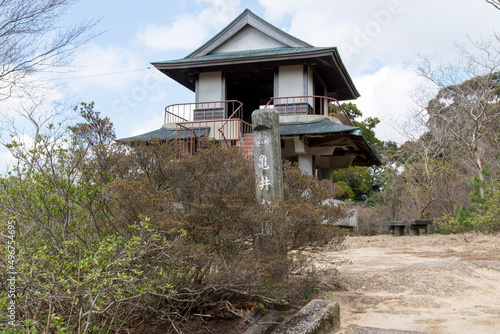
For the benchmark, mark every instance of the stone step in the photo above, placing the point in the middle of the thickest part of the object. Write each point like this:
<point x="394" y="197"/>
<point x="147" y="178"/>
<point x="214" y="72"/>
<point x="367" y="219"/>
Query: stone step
<point x="246" y="144"/>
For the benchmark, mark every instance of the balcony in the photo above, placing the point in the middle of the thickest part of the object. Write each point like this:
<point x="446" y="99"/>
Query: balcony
<point x="223" y="121"/>
<point x="308" y="106"/>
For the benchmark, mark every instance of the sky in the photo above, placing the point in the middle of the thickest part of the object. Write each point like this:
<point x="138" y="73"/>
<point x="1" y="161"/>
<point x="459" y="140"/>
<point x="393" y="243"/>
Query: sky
<point x="379" y="42"/>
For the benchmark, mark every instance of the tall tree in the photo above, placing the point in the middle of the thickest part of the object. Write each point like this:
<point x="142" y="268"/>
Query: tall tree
<point x="463" y="118"/>
<point x="367" y="125"/>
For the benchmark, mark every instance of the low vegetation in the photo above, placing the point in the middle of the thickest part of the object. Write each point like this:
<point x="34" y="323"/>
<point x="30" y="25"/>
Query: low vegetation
<point x="114" y="238"/>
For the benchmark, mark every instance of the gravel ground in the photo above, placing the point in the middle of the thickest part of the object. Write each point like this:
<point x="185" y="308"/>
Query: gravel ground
<point x="430" y="283"/>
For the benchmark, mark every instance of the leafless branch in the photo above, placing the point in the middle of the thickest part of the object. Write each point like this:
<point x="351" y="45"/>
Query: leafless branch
<point x="494" y="3"/>
<point x="31" y="40"/>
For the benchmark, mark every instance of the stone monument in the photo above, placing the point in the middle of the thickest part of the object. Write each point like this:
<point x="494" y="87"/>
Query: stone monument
<point x="267" y="154"/>
<point x="269" y="178"/>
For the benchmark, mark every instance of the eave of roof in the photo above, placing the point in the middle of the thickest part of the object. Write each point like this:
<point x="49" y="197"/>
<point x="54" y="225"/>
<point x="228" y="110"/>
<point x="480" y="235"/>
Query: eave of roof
<point x="244" y="56"/>
<point x="314" y="128"/>
<point x="325" y="126"/>
<point x="321" y="126"/>
<point x="166" y="134"/>
<point x="326" y="58"/>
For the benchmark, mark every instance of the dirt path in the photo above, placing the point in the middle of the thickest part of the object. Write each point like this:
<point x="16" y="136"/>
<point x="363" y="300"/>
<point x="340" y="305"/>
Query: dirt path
<point x="433" y="283"/>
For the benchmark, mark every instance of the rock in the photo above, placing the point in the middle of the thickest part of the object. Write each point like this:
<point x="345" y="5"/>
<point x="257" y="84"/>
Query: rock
<point x="317" y="317"/>
<point x="267" y="324"/>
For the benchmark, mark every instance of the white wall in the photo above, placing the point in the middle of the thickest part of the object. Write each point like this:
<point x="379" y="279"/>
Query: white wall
<point x="209" y="87"/>
<point x="290" y="81"/>
<point x="306" y="163"/>
<point x="248" y="38"/>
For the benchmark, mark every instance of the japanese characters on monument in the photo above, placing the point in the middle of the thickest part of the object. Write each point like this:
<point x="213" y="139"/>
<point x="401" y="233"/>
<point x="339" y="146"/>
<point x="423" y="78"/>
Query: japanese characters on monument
<point x="263" y="162"/>
<point x="267" y="154"/>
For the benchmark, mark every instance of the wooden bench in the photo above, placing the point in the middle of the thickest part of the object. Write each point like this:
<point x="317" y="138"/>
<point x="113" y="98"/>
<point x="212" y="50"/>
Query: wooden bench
<point x="414" y="227"/>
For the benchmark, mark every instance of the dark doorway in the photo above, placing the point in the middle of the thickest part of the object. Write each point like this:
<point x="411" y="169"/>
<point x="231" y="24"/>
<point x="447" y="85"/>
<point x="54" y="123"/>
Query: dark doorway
<point x="319" y="103"/>
<point x="253" y="88"/>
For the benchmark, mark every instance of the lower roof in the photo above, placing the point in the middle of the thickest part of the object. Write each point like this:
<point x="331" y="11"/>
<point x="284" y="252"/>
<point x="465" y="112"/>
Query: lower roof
<point x="316" y="133"/>
<point x="324" y="132"/>
<point x="320" y="126"/>
<point x="168" y="134"/>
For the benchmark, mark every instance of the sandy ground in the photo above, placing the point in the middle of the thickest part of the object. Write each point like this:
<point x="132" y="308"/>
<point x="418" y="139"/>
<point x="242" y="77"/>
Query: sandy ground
<point x="429" y="283"/>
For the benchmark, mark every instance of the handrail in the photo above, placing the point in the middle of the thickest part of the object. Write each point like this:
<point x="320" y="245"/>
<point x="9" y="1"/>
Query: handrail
<point x="168" y="112"/>
<point x="187" y="116"/>
<point x="240" y="108"/>
<point x="301" y="98"/>
<point x="194" y="134"/>
<point x="194" y="105"/>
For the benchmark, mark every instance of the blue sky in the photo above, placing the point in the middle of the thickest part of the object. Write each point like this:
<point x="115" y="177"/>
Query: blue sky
<point x="377" y="40"/>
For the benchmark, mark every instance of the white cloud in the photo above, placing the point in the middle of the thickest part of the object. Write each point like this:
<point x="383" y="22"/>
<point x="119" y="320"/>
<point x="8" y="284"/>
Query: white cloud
<point x="384" y="32"/>
<point x="32" y="92"/>
<point x="188" y="31"/>
<point x="376" y="37"/>
<point x="112" y="68"/>
<point x="154" y="122"/>
<point x="7" y="161"/>
<point x="388" y="95"/>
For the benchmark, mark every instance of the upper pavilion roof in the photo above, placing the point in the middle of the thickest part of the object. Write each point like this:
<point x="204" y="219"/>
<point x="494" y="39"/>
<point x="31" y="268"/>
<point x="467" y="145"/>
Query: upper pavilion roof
<point x="250" y="43"/>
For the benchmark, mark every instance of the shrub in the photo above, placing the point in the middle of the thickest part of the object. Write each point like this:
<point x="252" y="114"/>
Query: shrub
<point x="109" y="236"/>
<point x="483" y="214"/>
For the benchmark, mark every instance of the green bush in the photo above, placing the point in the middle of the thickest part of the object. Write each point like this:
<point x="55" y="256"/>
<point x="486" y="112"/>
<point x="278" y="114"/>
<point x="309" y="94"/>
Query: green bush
<point x="483" y="214"/>
<point x="108" y="236"/>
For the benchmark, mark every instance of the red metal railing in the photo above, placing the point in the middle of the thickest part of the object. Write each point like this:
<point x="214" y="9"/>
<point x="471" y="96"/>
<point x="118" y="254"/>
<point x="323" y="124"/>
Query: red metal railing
<point x="229" y="126"/>
<point x="201" y="111"/>
<point x="309" y="105"/>
<point x="222" y="121"/>
<point x="210" y="120"/>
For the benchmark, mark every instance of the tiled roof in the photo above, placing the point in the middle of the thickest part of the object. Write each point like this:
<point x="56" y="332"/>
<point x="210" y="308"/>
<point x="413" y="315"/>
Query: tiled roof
<point x="247" y="54"/>
<point x="321" y="126"/>
<point x="167" y="134"/>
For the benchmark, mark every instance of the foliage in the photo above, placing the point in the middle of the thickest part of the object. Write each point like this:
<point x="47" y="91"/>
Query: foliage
<point x="481" y="215"/>
<point x="457" y="137"/>
<point x="369" y="220"/>
<point x="464" y="117"/>
<point x="487" y="218"/>
<point x="306" y="213"/>
<point x="355" y="183"/>
<point x="110" y="236"/>
<point x="358" y="183"/>
<point x="427" y="186"/>
<point x="367" y="125"/>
